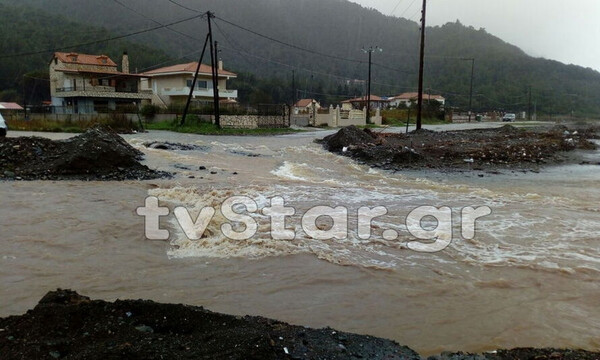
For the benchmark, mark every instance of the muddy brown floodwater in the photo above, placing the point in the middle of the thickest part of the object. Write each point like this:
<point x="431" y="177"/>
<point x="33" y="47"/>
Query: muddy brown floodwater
<point x="529" y="278"/>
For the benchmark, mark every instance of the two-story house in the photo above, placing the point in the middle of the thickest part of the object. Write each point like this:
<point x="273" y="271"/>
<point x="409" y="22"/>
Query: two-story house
<point x="88" y="84"/>
<point x="171" y="85"/>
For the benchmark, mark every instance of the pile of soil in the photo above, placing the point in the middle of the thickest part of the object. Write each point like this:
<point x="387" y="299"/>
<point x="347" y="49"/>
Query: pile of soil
<point x="98" y="154"/>
<point x="66" y="325"/>
<point x="348" y="136"/>
<point x="505" y="147"/>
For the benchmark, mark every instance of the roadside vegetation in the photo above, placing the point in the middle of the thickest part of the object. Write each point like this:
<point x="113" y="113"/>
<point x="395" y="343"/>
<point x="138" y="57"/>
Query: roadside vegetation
<point x="117" y="122"/>
<point x="195" y="126"/>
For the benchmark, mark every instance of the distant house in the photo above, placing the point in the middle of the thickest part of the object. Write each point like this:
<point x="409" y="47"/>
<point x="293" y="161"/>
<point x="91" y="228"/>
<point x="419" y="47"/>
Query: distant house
<point x="359" y="103"/>
<point x="306" y="105"/>
<point x="411" y="97"/>
<point x="172" y="84"/>
<point x="8" y="106"/>
<point x="8" y="109"/>
<point x="87" y="84"/>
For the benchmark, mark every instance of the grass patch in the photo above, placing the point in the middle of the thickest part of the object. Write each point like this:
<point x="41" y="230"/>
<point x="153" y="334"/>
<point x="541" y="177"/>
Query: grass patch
<point x="117" y="123"/>
<point x="369" y="126"/>
<point x="205" y="128"/>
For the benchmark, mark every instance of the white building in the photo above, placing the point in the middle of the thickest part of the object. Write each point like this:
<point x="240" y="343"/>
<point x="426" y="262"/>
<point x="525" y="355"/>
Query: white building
<point x="172" y="84"/>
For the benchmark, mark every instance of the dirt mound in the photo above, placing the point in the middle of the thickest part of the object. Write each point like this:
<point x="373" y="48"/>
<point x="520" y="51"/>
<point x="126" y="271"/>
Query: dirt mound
<point x="348" y="136"/>
<point x="97" y="154"/>
<point x="68" y="325"/>
<point x="506" y="147"/>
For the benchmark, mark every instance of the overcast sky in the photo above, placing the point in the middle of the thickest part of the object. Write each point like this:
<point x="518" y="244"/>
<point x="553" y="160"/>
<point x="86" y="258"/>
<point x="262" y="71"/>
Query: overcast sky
<point x="567" y="31"/>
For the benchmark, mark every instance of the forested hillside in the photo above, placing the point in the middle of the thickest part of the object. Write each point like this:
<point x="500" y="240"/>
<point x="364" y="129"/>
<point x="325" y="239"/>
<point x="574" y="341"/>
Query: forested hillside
<point x="334" y="31"/>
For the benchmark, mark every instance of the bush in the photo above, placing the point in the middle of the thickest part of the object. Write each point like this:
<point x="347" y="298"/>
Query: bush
<point x="149" y="111"/>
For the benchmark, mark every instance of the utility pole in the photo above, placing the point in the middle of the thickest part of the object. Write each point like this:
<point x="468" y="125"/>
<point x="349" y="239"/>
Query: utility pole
<point x="471" y="92"/>
<point x="25" y="95"/>
<point x="368" y="113"/>
<point x="218" y="67"/>
<point x="529" y="105"/>
<point x="215" y="78"/>
<point x="192" y="88"/>
<point x="370" y="52"/>
<point x="421" y="66"/>
<point x="293" y="87"/>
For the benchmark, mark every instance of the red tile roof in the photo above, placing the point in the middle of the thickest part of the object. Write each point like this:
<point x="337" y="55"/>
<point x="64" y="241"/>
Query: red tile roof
<point x="187" y="68"/>
<point x="304" y="102"/>
<point x="364" y="99"/>
<point x="84" y="59"/>
<point x="415" y="95"/>
<point x="10" y="106"/>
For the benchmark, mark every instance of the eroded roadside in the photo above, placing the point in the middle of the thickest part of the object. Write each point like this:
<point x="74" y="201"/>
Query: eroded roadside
<point x="66" y="325"/>
<point x="491" y="150"/>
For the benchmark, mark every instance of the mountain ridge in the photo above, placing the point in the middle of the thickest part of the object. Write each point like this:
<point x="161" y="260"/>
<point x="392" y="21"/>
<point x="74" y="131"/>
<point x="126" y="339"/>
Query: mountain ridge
<point x="339" y="28"/>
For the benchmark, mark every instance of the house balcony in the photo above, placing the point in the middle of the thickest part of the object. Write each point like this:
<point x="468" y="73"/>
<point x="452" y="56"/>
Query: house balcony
<point x="185" y="91"/>
<point x="103" y="92"/>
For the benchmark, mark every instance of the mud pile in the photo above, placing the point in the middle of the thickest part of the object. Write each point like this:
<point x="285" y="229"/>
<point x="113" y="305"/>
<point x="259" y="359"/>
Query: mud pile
<point x="502" y="148"/>
<point x="348" y="136"/>
<point x="97" y="154"/>
<point x="66" y="325"/>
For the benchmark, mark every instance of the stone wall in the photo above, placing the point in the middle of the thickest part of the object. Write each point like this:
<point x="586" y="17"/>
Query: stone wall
<point x="335" y="117"/>
<point x="239" y="121"/>
<point x="252" y="121"/>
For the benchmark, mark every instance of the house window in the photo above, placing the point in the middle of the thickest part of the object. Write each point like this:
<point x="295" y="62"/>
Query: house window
<point x="104" y="82"/>
<point x="200" y="84"/>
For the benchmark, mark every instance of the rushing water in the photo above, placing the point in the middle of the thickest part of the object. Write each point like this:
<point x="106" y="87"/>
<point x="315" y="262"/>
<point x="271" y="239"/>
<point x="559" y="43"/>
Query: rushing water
<point x="528" y="278"/>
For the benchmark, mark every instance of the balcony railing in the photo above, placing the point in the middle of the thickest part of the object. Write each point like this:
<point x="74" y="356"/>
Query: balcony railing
<point x="107" y="89"/>
<point x="185" y="91"/>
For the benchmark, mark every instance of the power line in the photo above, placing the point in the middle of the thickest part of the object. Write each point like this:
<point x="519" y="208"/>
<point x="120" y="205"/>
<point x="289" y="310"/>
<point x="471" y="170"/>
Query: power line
<point x="290" y="45"/>
<point x="413" y="15"/>
<point x="183" y="6"/>
<point x="392" y="69"/>
<point x="154" y="21"/>
<point x="396" y="7"/>
<point x="308" y="50"/>
<point x="287" y="65"/>
<point x="332" y="95"/>
<point x="100" y="41"/>
<point x="308" y="70"/>
<point x="405" y="10"/>
<point x="233" y="42"/>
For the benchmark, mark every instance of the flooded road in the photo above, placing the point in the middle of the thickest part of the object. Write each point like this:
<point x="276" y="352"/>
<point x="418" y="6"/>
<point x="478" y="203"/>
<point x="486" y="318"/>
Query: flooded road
<point x="528" y="278"/>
